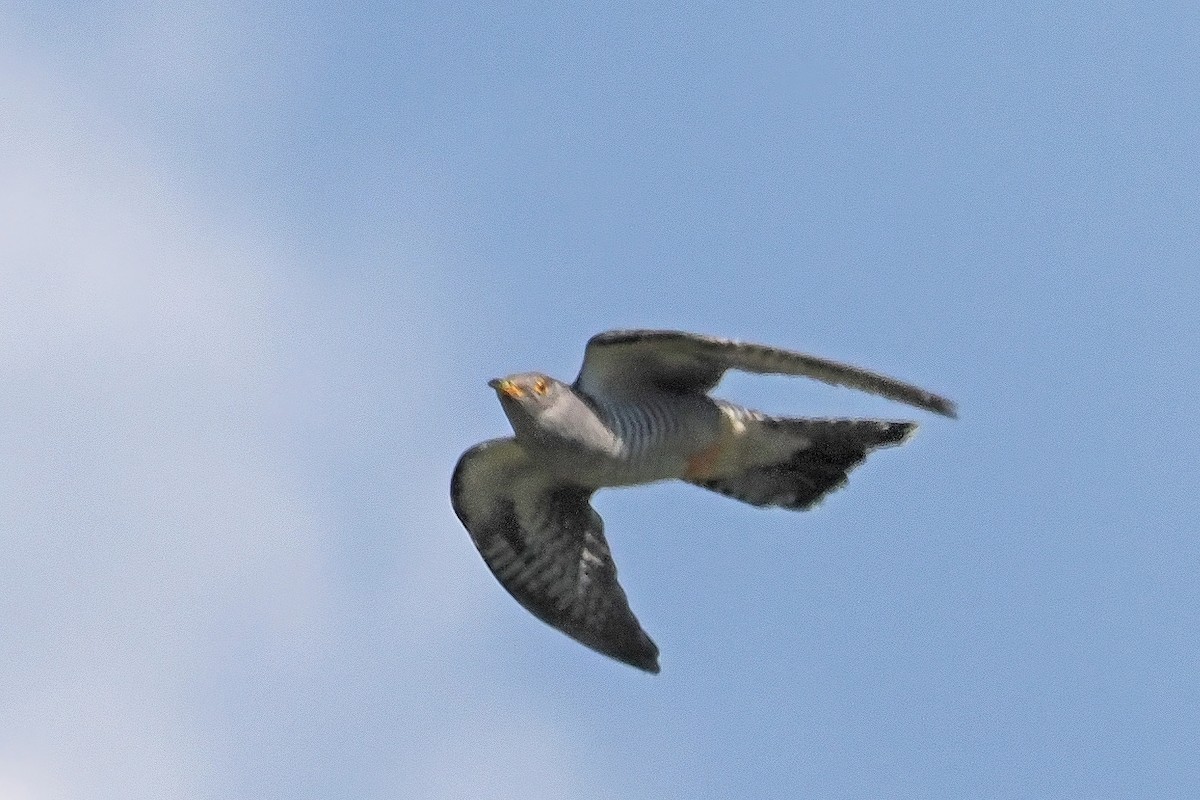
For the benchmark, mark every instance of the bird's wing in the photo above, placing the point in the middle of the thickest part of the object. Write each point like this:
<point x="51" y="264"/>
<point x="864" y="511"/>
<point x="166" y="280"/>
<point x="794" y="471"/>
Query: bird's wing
<point x="545" y="544"/>
<point x="623" y="361"/>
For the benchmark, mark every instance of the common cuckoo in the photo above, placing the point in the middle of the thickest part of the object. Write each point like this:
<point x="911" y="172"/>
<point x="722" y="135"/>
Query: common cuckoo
<point x="638" y="412"/>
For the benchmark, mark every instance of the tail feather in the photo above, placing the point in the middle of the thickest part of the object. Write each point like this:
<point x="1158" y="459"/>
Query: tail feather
<point x="830" y="449"/>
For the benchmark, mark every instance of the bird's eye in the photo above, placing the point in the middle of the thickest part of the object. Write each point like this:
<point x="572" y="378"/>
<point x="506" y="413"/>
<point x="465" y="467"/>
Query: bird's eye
<point x="540" y="386"/>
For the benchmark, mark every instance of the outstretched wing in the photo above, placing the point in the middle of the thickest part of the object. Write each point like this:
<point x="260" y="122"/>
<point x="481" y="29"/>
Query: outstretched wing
<point x="545" y="544"/>
<point x="678" y="361"/>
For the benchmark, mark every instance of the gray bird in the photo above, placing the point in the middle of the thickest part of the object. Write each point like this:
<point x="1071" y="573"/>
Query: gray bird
<point x="639" y="412"/>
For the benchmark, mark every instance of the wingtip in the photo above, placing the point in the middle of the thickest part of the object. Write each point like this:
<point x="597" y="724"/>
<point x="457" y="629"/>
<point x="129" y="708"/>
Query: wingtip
<point x="643" y="656"/>
<point x="649" y="665"/>
<point x="937" y="404"/>
<point x="947" y="408"/>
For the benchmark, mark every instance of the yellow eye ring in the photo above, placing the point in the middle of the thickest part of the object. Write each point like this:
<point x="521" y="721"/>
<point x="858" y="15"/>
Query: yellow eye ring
<point x="540" y="386"/>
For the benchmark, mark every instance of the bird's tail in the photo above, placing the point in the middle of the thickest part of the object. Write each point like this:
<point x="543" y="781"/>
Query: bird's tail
<point x="825" y="452"/>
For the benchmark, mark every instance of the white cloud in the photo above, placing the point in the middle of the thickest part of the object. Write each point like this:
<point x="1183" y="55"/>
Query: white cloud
<point x="165" y="554"/>
<point x="144" y="503"/>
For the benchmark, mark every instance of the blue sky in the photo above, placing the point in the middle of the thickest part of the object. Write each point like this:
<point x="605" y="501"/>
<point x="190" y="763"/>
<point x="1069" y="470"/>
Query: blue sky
<point x="258" y="262"/>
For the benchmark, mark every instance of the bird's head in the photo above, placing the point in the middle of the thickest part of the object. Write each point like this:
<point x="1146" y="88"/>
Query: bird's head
<point x="529" y="392"/>
<point x="543" y="410"/>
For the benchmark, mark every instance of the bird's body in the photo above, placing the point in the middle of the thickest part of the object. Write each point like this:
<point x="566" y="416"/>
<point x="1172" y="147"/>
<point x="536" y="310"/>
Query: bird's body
<point x="639" y="412"/>
<point x="598" y="442"/>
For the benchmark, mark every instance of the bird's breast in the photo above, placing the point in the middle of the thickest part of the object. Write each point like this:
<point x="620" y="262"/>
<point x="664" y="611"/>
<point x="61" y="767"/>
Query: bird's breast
<point x="655" y="438"/>
<point x="599" y="442"/>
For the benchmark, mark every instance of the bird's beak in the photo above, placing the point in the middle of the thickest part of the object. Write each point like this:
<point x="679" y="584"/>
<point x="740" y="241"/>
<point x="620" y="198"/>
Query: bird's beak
<point x="507" y="387"/>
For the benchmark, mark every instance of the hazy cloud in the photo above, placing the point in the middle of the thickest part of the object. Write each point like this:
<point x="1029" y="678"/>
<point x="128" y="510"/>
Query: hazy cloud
<point x="174" y="598"/>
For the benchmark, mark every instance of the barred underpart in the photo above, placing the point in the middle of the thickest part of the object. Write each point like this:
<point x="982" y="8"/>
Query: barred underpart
<point x="651" y="437"/>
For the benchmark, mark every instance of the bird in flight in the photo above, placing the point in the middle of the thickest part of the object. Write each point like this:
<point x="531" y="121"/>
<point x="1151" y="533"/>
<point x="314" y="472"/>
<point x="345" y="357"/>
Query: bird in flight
<point x="638" y="412"/>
